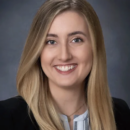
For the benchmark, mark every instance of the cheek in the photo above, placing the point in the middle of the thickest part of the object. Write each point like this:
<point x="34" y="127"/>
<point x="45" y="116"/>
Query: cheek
<point x="86" y="61"/>
<point x="45" y="59"/>
<point x="85" y="55"/>
<point x="89" y="57"/>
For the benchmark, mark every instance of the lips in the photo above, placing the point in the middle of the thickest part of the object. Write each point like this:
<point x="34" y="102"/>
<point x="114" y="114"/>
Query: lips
<point x="66" y="72"/>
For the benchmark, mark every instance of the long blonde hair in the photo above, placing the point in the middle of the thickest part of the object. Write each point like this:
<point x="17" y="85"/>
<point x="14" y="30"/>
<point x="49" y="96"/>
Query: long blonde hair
<point x="32" y="83"/>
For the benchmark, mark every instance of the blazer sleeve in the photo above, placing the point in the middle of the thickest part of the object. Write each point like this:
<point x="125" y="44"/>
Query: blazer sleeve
<point x="122" y="114"/>
<point x="14" y="115"/>
<point x="6" y="115"/>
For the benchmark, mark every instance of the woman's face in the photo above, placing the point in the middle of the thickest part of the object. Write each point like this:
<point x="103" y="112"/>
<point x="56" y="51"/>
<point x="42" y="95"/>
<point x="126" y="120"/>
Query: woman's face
<point x="67" y="56"/>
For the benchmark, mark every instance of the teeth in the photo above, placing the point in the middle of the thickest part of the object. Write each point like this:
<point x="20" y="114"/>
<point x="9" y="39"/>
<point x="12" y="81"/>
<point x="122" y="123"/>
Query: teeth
<point x="65" y="68"/>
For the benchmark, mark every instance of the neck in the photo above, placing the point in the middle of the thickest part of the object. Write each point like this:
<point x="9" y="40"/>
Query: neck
<point x="67" y="100"/>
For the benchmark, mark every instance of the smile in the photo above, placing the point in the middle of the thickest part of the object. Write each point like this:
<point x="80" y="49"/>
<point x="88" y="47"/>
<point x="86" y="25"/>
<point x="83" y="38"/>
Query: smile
<point x="65" y="69"/>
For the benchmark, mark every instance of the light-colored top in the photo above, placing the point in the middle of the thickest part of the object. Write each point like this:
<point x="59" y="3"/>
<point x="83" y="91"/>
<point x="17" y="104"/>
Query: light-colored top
<point x="80" y="122"/>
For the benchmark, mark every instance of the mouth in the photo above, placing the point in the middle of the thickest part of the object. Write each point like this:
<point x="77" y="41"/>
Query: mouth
<point x="65" y="69"/>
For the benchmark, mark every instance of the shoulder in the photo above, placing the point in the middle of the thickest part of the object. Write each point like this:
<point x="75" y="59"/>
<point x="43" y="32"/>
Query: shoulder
<point x="119" y="105"/>
<point x="12" y="106"/>
<point x="121" y="113"/>
<point x="14" y="114"/>
<point x="12" y="103"/>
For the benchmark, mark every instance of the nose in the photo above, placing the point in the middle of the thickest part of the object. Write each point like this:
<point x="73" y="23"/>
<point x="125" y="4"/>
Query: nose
<point x="64" y="53"/>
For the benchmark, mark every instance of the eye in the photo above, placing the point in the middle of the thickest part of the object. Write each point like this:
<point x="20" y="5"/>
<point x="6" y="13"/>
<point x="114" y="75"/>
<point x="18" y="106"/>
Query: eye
<point x="50" y="42"/>
<point x="78" y="40"/>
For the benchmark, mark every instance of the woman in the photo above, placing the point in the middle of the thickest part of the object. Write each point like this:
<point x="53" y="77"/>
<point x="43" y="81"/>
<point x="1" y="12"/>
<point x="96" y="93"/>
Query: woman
<point x="62" y="79"/>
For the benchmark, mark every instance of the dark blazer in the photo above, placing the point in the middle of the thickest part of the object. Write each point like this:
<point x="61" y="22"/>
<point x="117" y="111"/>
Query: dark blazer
<point x="14" y="115"/>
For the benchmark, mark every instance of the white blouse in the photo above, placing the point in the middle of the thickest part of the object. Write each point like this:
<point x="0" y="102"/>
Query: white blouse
<point x="80" y="122"/>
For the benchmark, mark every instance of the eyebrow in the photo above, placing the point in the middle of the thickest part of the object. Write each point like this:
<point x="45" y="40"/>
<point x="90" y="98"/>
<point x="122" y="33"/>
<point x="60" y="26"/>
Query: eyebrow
<point x="70" y="34"/>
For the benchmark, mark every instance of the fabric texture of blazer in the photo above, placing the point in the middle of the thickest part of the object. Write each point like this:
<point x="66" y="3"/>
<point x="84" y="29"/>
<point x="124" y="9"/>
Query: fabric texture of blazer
<point x="14" y="115"/>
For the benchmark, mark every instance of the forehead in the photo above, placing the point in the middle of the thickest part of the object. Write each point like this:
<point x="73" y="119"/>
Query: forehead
<point x="69" y="21"/>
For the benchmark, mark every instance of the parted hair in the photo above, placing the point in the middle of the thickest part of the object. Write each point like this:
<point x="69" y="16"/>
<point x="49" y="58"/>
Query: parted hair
<point x="32" y="83"/>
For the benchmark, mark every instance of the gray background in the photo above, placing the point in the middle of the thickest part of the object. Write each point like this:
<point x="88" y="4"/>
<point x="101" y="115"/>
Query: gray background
<point x="16" y="17"/>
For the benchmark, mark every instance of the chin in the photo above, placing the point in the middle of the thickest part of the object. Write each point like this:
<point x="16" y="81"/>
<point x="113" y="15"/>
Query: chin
<point x="67" y="85"/>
